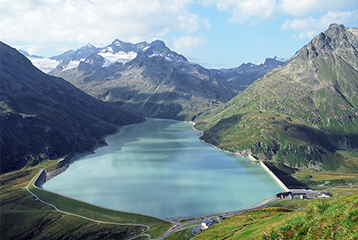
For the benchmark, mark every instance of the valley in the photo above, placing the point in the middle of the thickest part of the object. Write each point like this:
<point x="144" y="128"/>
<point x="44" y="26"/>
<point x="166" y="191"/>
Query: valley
<point x="153" y="81"/>
<point x="299" y="116"/>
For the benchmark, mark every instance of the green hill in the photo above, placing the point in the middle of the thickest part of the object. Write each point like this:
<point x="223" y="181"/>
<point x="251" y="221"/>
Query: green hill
<point x="299" y="114"/>
<point x="23" y="216"/>
<point x="322" y="219"/>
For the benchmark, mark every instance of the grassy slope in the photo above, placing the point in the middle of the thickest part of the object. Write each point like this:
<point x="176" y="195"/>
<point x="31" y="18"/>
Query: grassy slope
<point x="298" y="114"/>
<point x="291" y="219"/>
<point x="322" y="219"/>
<point x="22" y="217"/>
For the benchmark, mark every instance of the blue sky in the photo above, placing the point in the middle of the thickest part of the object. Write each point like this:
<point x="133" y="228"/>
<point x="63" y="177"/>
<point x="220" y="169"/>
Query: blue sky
<point x="213" y="33"/>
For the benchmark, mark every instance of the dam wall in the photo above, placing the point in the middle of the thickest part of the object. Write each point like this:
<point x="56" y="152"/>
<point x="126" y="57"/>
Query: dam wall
<point x="41" y="179"/>
<point x="280" y="183"/>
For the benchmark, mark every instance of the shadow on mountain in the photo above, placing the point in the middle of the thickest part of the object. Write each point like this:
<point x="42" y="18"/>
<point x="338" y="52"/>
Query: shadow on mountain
<point x="291" y="143"/>
<point x="169" y="105"/>
<point x="283" y="173"/>
<point x="212" y="135"/>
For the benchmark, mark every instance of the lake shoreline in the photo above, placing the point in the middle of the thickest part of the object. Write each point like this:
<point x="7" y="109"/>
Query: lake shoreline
<point x="76" y="156"/>
<point x="238" y="153"/>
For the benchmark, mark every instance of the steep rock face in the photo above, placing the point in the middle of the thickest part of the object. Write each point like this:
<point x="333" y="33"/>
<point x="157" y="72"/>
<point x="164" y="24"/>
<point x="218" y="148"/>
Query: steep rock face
<point x="44" y="115"/>
<point x="148" y="79"/>
<point x="300" y="113"/>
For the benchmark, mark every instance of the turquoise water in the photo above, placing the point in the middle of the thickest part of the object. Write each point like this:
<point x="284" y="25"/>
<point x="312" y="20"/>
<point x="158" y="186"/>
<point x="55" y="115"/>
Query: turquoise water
<point x="160" y="168"/>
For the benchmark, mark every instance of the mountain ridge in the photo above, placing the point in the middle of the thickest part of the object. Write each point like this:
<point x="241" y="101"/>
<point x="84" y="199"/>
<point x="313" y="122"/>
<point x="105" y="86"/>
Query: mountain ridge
<point x="148" y="79"/>
<point x="45" y="116"/>
<point x="155" y="81"/>
<point x="298" y="114"/>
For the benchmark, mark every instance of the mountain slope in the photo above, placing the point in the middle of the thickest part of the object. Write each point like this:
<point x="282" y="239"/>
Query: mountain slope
<point x="334" y="218"/>
<point x="148" y="79"/>
<point x="41" y="114"/>
<point x="300" y="113"/>
<point x="245" y="74"/>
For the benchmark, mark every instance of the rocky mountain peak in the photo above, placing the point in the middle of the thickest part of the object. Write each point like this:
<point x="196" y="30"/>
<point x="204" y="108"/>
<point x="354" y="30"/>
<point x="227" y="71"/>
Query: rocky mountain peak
<point x="88" y="48"/>
<point x="119" y="46"/>
<point x="158" y="44"/>
<point x="79" y="54"/>
<point x="336" y="39"/>
<point x="90" y="45"/>
<point x="117" y="42"/>
<point x="274" y="61"/>
<point x="300" y="113"/>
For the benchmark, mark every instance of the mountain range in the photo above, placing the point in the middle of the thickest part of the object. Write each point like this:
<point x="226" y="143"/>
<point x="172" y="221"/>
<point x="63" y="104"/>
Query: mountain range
<point x="298" y="114"/>
<point x="44" y="116"/>
<point x="47" y="117"/>
<point x="295" y="112"/>
<point x="152" y="80"/>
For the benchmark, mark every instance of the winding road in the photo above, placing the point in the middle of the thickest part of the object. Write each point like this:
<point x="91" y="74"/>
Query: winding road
<point x="77" y="215"/>
<point x="175" y="221"/>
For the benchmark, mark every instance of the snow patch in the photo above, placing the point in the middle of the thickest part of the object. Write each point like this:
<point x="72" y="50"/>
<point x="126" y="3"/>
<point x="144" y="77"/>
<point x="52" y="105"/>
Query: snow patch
<point x="123" y="57"/>
<point x="108" y="49"/>
<point x="146" y="48"/>
<point x="74" y="64"/>
<point x="280" y="59"/>
<point x="168" y="59"/>
<point x="155" y="54"/>
<point x="44" y="64"/>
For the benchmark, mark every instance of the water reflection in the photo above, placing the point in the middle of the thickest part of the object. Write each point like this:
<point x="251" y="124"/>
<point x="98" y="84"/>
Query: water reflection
<point x="160" y="168"/>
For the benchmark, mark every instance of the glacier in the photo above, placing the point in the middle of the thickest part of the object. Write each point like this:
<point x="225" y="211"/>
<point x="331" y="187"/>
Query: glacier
<point x="122" y="57"/>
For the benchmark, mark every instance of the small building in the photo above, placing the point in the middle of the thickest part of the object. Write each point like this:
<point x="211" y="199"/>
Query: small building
<point x="283" y="195"/>
<point x="326" y="194"/>
<point x="207" y="222"/>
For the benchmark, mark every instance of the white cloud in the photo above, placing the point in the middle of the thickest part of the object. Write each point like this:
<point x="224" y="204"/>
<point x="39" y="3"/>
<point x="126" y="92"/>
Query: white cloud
<point x="303" y="7"/>
<point x="309" y="27"/>
<point x="98" y="21"/>
<point x="242" y="11"/>
<point x="188" y="42"/>
<point x="256" y="11"/>
<point x="30" y="49"/>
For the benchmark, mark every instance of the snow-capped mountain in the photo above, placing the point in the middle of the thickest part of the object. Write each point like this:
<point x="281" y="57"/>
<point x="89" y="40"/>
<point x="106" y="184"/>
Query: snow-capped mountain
<point x="43" y="63"/>
<point x="152" y="80"/>
<point x="146" y="78"/>
<point x="73" y="59"/>
<point x="117" y="52"/>
<point x="42" y="114"/>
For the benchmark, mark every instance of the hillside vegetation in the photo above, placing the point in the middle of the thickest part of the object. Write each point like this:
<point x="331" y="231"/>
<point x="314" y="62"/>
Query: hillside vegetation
<point x="299" y="114"/>
<point x="321" y="219"/>
<point x="24" y="217"/>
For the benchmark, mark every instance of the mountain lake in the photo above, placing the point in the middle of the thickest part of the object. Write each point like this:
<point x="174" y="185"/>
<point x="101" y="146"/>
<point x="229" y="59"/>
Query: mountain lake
<point x="160" y="168"/>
